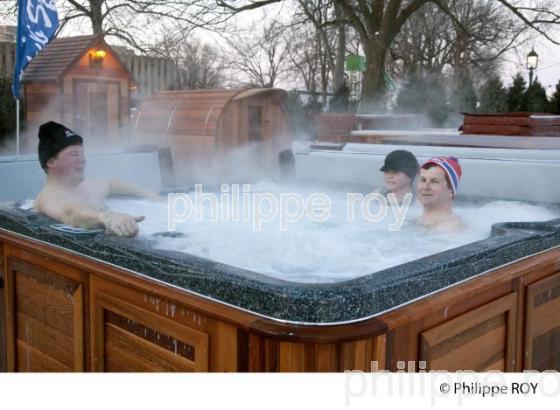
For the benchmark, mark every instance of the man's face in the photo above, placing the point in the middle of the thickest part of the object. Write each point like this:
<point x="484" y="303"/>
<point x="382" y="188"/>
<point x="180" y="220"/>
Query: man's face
<point x="432" y="188"/>
<point x="69" y="163"/>
<point x="396" y="180"/>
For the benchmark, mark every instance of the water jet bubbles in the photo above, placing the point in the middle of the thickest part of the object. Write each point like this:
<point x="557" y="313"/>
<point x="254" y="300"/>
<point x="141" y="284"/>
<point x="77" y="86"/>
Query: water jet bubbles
<point x="330" y="251"/>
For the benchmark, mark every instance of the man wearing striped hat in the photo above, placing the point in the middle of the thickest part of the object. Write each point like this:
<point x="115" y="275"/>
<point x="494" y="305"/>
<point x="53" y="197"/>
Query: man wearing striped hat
<point x="436" y="190"/>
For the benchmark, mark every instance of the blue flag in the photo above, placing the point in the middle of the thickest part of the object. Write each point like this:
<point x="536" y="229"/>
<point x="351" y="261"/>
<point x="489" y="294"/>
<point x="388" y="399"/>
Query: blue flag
<point x="37" y="23"/>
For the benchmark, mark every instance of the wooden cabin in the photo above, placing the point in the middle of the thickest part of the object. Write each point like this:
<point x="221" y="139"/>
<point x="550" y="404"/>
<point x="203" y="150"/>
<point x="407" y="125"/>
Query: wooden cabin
<point x="213" y="131"/>
<point x="80" y="82"/>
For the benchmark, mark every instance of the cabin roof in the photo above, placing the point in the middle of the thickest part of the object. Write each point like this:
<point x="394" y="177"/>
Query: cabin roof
<point x="53" y="61"/>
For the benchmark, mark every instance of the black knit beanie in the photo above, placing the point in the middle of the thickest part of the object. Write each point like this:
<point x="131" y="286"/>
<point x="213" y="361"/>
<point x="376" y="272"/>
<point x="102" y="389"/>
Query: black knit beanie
<point x="53" y="138"/>
<point x="401" y="160"/>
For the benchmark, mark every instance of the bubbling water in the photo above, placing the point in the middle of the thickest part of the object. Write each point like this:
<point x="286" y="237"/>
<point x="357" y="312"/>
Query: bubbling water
<point x="321" y="252"/>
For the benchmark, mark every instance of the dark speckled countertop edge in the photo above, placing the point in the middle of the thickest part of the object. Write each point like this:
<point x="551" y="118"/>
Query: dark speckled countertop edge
<point x="292" y="302"/>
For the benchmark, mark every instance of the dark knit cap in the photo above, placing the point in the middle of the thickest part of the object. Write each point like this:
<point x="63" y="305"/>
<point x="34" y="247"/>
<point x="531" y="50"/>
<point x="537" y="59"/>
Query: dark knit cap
<point x="53" y="138"/>
<point x="401" y="160"/>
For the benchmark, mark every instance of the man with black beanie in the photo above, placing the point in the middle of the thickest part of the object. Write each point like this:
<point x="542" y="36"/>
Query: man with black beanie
<point x="68" y="197"/>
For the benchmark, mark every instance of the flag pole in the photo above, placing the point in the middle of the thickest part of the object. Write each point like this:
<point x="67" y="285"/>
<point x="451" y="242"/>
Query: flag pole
<point x="17" y="126"/>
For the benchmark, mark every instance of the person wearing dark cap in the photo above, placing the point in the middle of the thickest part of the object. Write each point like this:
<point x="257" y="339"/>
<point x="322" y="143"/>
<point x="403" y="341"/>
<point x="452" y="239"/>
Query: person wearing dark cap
<point x="436" y="190"/>
<point x="399" y="171"/>
<point x="68" y="197"/>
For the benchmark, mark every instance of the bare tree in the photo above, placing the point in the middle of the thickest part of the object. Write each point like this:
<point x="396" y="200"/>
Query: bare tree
<point x="200" y="66"/>
<point x="259" y="57"/>
<point x="430" y="40"/>
<point x="378" y="22"/>
<point x="133" y="22"/>
<point x="303" y="53"/>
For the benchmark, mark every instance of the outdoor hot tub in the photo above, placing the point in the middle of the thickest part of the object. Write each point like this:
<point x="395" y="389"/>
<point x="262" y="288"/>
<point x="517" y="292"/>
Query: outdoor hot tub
<point x="98" y="303"/>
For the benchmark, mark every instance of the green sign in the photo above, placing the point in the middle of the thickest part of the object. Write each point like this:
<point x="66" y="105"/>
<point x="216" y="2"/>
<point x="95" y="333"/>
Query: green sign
<point x="355" y="63"/>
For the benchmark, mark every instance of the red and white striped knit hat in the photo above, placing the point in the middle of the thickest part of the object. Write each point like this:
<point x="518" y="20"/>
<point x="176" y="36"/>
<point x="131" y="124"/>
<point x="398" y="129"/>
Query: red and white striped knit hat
<point x="450" y="166"/>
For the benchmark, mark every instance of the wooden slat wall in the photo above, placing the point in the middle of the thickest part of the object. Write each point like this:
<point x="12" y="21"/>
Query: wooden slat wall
<point x="45" y="322"/>
<point x="118" y="100"/>
<point x="331" y="126"/>
<point x="268" y="355"/>
<point x="215" y="342"/>
<point x="542" y="337"/>
<point x="480" y="340"/>
<point x="43" y="103"/>
<point x="3" y="289"/>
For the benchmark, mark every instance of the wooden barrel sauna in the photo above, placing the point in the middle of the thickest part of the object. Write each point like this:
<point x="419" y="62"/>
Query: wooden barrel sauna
<point x="204" y="129"/>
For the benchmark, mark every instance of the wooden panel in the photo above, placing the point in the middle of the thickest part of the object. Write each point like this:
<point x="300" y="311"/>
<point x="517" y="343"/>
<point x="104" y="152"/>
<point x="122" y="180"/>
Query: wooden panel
<point x="46" y="320"/>
<point x="326" y="357"/>
<point x="34" y="360"/>
<point x="273" y="356"/>
<point x="524" y="120"/>
<point x="542" y="325"/>
<point x="41" y="117"/>
<point x="126" y="351"/>
<point x="49" y="88"/>
<point x="3" y="364"/>
<point x="365" y="355"/>
<point x="550" y="130"/>
<point x="225" y="347"/>
<point x="123" y="331"/>
<point x="480" y="340"/>
<point x="333" y="125"/>
<point x="291" y="357"/>
<point x="96" y="109"/>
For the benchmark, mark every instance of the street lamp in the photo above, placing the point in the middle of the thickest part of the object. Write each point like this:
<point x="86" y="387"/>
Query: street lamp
<point x="532" y="62"/>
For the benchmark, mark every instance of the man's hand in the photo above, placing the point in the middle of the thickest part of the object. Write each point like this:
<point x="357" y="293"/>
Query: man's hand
<point x="120" y="224"/>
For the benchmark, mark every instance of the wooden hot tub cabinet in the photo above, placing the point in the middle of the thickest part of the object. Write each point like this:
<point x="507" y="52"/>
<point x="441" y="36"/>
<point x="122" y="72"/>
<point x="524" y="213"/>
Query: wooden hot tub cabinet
<point x="60" y="311"/>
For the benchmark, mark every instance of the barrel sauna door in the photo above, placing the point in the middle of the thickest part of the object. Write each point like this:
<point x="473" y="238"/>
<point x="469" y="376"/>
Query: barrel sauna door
<point x="96" y="111"/>
<point x="255" y="135"/>
<point x="261" y="137"/>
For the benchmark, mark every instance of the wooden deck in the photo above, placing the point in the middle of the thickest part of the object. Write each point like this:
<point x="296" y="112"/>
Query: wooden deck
<point x="63" y="312"/>
<point x="450" y="139"/>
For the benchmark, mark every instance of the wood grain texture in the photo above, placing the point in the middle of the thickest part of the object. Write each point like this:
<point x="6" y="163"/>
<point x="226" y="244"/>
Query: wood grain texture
<point x="111" y="301"/>
<point x="46" y="319"/>
<point x="475" y="340"/>
<point x="542" y="325"/>
<point x="3" y="323"/>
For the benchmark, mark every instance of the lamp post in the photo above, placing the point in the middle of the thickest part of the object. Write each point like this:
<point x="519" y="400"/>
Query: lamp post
<point x="532" y="62"/>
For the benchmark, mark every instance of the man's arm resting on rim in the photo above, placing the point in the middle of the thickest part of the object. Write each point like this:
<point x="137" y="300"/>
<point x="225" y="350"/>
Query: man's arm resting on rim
<point x="71" y="213"/>
<point x="120" y="187"/>
<point x="86" y="216"/>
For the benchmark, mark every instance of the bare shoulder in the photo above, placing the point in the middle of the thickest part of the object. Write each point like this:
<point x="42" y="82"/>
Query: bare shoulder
<point x="45" y="197"/>
<point x="53" y="203"/>
<point x="452" y="225"/>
